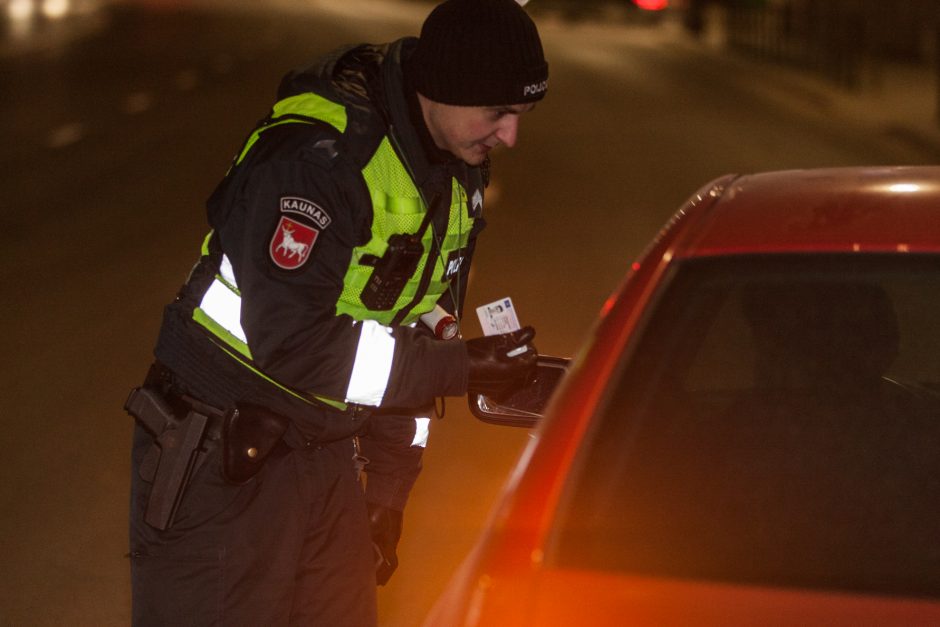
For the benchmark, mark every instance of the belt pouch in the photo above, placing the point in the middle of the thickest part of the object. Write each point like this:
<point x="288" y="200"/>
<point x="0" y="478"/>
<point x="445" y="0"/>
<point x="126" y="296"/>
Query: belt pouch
<point x="249" y="434"/>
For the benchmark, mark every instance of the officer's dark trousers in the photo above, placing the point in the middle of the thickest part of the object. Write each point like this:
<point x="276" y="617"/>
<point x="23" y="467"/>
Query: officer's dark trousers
<point x="290" y="547"/>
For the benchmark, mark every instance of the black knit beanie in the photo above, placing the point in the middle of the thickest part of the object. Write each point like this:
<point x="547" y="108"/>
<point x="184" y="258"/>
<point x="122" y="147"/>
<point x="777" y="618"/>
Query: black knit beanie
<point x="479" y="53"/>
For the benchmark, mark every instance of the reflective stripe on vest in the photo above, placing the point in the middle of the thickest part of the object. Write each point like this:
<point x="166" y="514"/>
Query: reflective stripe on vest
<point x="422" y="430"/>
<point x="308" y="105"/>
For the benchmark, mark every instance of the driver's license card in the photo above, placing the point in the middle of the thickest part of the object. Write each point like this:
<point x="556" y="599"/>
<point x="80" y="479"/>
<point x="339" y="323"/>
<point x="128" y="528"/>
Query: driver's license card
<point x="498" y="317"/>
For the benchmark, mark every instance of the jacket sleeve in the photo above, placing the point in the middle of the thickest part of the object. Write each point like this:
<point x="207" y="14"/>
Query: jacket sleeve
<point x="394" y="445"/>
<point x="289" y="290"/>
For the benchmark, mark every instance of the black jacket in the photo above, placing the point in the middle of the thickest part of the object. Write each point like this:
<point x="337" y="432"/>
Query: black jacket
<point x="289" y="316"/>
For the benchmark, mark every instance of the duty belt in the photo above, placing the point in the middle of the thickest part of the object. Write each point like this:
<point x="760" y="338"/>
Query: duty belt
<point x="184" y="430"/>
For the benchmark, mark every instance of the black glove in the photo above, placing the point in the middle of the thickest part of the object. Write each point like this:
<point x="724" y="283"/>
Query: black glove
<point x="385" y="526"/>
<point x="492" y="371"/>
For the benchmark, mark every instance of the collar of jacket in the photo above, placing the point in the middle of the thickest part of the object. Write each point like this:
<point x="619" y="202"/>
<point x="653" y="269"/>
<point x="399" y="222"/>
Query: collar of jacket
<point x="401" y="124"/>
<point x="370" y="82"/>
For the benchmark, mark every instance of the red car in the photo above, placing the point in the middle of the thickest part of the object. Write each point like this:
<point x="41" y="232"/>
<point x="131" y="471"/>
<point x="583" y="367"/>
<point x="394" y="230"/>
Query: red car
<point x="752" y="434"/>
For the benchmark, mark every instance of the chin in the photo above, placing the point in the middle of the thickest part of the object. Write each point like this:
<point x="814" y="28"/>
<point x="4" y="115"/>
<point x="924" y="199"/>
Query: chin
<point x="473" y="158"/>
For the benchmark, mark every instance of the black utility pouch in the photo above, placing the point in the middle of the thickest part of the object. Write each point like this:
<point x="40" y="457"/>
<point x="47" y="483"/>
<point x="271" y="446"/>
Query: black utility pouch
<point x="249" y="434"/>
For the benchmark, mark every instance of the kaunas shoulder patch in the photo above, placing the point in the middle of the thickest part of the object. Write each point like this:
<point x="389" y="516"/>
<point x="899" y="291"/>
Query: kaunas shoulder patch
<point x="296" y="232"/>
<point x="307" y="209"/>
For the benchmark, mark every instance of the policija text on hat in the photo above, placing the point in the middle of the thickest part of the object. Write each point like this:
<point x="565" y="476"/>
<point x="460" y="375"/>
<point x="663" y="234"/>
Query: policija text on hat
<point x="281" y="426"/>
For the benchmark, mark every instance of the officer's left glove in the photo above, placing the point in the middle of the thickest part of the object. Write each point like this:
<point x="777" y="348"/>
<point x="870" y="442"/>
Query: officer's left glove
<point x="385" y="526"/>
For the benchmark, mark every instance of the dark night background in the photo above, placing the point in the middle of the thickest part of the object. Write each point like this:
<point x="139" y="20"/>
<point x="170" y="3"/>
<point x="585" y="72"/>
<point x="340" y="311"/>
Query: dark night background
<point x="118" y="118"/>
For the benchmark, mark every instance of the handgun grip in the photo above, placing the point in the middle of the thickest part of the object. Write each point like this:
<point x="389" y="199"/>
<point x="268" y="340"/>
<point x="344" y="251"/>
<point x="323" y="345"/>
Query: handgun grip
<point x="153" y="413"/>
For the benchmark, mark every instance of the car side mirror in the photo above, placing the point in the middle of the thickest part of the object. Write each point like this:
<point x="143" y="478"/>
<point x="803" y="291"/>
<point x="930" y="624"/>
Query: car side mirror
<point x="525" y="406"/>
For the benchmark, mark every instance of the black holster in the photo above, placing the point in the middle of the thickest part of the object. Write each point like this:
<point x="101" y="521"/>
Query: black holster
<point x="249" y="434"/>
<point x="176" y="454"/>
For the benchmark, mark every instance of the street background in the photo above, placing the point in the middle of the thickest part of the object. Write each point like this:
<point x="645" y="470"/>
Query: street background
<point x="118" y="119"/>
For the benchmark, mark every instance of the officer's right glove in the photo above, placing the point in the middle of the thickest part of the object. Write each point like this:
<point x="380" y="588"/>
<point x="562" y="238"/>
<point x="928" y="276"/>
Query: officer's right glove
<point x="501" y="363"/>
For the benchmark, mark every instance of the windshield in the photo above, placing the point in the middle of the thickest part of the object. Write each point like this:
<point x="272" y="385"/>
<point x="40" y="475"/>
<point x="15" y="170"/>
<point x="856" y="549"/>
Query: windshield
<point x="778" y="423"/>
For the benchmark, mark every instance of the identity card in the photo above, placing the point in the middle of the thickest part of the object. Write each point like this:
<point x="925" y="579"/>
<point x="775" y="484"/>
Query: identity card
<point x="498" y="317"/>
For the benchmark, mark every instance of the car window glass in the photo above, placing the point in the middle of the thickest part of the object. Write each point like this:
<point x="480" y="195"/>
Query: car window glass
<point x="777" y="423"/>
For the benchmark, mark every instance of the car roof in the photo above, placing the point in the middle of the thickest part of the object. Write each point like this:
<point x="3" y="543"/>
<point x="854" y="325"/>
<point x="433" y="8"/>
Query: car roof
<point x="858" y="209"/>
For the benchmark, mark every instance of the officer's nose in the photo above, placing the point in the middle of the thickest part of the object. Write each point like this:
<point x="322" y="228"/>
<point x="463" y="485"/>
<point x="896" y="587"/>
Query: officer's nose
<point x="508" y="130"/>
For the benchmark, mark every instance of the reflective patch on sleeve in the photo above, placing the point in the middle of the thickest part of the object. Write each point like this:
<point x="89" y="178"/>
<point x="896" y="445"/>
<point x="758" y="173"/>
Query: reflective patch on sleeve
<point x="373" y="365"/>
<point x="227" y="272"/>
<point x="224" y="306"/>
<point x="422" y="430"/>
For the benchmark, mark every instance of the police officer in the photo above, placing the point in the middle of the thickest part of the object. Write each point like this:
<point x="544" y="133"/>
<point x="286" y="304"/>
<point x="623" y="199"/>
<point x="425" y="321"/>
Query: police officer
<point x="309" y="342"/>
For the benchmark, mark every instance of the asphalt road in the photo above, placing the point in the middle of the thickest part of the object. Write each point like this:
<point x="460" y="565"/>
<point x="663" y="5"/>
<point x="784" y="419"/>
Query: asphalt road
<point x="117" y="124"/>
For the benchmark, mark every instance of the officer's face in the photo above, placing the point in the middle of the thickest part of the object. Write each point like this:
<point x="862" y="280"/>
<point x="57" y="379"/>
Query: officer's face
<point x="471" y="132"/>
